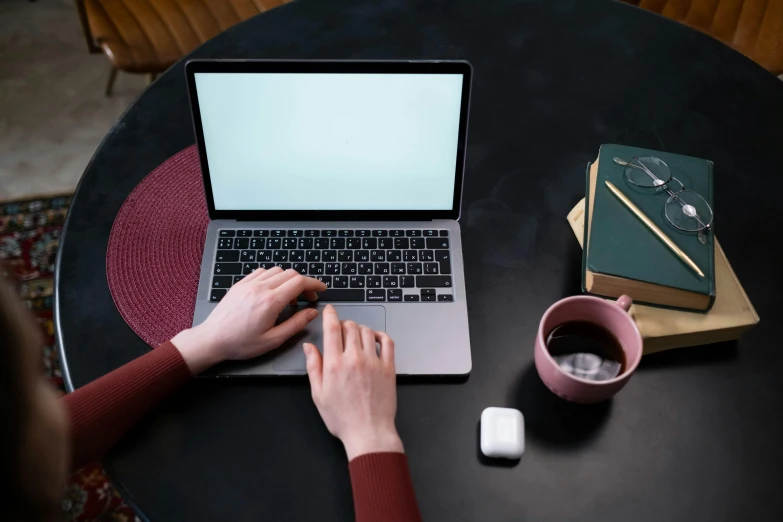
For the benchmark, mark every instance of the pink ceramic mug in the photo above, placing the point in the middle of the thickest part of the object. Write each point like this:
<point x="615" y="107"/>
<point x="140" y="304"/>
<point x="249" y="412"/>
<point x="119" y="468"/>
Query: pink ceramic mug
<point x="611" y="315"/>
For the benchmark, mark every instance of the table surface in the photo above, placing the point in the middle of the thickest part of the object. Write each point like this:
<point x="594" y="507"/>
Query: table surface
<point x="695" y="434"/>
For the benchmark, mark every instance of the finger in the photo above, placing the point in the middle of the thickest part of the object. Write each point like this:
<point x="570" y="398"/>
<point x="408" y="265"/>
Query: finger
<point x="310" y="296"/>
<point x="333" y="333"/>
<point x="297" y="285"/>
<point x="315" y="365"/>
<point x="387" y="348"/>
<point x="351" y="337"/>
<point x="277" y="335"/>
<point x="368" y="340"/>
<point x="255" y="274"/>
<point x="279" y="278"/>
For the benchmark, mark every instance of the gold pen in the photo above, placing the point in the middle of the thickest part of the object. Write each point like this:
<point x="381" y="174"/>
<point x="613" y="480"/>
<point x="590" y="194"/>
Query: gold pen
<point x="652" y="226"/>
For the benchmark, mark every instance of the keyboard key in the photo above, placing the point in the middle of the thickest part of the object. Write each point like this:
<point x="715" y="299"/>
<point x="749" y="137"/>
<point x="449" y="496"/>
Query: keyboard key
<point x="445" y="267"/>
<point x="382" y="268"/>
<point x="244" y="233"/>
<point x="278" y="233"/>
<point x="345" y="233"/>
<point x="216" y="295"/>
<point x="284" y="266"/>
<point x="390" y="282"/>
<point x="322" y="243"/>
<point x="426" y="255"/>
<point x="248" y="255"/>
<point x="370" y="243"/>
<point x="428" y="298"/>
<point x="273" y="243"/>
<point x="417" y="242"/>
<point x="413" y="233"/>
<point x="266" y="266"/>
<point x="348" y="268"/>
<point x="241" y="242"/>
<point x="327" y="280"/>
<point x="238" y="279"/>
<point x="353" y="243"/>
<point x="225" y="243"/>
<point x="329" y="233"/>
<point x="249" y="268"/>
<point x="363" y="233"/>
<point x="227" y="255"/>
<point x="365" y="268"/>
<point x="227" y="233"/>
<point x="362" y="255"/>
<point x="394" y="294"/>
<point x="312" y="233"/>
<point x="296" y="256"/>
<point x="290" y="242"/>
<point x="442" y="255"/>
<point x="345" y="255"/>
<point x="411" y="297"/>
<point x="305" y="243"/>
<point x="313" y="256"/>
<point x="340" y="282"/>
<point x="396" y="233"/>
<point x="280" y="255"/>
<point x="410" y="255"/>
<point x="258" y="243"/>
<point x="398" y="268"/>
<point x="337" y="243"/>
<point x="332" y="268"/>
<point x="428" y="281"/>
<point x="301" y="268"/>
<point x="376" y="295"/>
<point x="407" y="281"/>
<point x="329" y="255"/>
<point x="222" y="282"/>
<point x="431" y="268"/>
<point x="444" y="233"/>
<point x="264" y="256"/>
<point x="378" y="255"/>
<point x="414" y="268"/>
<point x="335" y="294"/>
<point x="380" y="233"/>
<point x="427" y="291"/>
<point x="438" y="242"/>
<point x="373" y="281"/>
<point x="295" y="233"/>
<point x="386" y="243"/>
<point x="394" y="255"/>
<point x="402" y="243"/>
<point x="430" y="233"/>
<point x="228" y="268"/>
<point x="356" y="281"/>
<point x="316" y="269"/>
<point x="445" y="297"/>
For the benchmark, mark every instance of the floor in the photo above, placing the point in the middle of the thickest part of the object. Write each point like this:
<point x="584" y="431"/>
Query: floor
<point x="53" y="111"/>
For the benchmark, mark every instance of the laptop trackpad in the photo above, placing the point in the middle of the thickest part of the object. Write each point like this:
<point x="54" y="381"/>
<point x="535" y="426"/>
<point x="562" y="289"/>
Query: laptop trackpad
<point x="290" y="356"/>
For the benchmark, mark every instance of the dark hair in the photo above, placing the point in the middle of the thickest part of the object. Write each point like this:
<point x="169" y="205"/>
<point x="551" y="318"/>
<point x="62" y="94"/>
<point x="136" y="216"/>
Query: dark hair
<point x="16" y="333"/>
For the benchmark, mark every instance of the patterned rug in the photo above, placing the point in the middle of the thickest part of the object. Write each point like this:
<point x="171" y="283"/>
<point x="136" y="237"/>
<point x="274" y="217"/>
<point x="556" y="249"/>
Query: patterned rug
<point x="29" y="234"/>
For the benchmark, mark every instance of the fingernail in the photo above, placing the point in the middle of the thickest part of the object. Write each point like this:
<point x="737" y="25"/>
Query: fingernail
<point x="307" y="349"/>
<point x="312" y="314"/>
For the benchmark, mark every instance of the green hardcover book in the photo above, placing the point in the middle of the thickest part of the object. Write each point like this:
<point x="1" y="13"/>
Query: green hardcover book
<point x="622" y="256"/>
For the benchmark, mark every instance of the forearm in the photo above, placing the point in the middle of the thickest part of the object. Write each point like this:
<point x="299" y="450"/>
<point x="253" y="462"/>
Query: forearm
<point x="382" y="488"/>
<point x="103" y="410"/>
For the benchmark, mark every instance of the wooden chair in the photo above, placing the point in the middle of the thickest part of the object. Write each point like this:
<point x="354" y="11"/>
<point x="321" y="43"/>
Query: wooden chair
<point x="752" y="27"/>
<point x="148" y="36"/>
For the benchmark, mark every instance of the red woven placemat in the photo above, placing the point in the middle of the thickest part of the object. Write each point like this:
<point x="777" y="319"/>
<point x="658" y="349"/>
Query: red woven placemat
<point x="154" y="254"/>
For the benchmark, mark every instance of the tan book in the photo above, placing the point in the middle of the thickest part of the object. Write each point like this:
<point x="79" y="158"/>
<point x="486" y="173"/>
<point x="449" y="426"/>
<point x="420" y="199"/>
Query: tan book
<point x="664" y="329"/>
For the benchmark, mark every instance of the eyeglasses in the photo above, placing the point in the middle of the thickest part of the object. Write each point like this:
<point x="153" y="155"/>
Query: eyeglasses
<point x="685" y="209"/>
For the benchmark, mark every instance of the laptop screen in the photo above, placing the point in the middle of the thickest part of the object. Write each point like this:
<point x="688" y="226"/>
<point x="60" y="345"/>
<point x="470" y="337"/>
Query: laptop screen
<point x="325" y="141"/>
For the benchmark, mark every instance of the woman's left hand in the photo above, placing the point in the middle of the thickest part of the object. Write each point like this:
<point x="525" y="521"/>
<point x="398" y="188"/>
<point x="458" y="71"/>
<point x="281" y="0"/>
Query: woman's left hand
<point x="242" y="325"/>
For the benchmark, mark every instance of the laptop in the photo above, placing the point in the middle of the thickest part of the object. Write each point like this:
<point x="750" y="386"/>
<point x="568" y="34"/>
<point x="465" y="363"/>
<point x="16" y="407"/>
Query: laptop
<point x="347" y="171"/>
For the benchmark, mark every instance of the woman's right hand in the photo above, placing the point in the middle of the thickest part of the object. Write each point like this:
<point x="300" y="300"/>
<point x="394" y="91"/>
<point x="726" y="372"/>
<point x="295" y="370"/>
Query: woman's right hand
<point x="353" y="387"/>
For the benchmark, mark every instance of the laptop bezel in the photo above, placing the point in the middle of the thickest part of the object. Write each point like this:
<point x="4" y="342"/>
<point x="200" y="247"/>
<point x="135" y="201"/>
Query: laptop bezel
<point x="464" y="68"/>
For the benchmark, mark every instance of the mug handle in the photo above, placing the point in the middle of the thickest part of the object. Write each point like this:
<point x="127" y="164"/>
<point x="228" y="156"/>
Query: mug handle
<point x="624" y="302"/>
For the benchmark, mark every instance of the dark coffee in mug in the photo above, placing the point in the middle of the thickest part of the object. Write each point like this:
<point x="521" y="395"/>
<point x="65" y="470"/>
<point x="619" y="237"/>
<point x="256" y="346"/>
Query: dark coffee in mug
<point x="586" y="350"/>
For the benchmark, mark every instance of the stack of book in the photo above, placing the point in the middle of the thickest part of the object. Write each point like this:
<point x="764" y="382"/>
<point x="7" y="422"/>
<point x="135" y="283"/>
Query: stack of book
<point x="674" y="306"/>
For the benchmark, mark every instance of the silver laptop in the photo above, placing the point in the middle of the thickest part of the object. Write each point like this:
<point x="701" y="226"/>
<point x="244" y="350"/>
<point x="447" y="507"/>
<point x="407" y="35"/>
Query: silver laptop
<point x="349" y="172"/>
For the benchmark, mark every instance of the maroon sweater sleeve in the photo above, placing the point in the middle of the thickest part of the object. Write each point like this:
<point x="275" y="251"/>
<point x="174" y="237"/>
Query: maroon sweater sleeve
<point x="382" y="488"/>
<point x="100" y="412"/>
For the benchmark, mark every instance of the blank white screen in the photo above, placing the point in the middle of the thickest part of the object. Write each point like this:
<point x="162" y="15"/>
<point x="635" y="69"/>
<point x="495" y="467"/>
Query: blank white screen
<point x="291" y="141"/>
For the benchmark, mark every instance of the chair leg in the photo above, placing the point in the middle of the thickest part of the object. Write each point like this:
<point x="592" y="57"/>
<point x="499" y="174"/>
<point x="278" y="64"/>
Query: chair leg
<point x="110" y="83"/>
<point x="151" y="78"/>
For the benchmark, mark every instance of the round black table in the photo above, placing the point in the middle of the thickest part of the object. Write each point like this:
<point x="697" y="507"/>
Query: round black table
<point x="696" y="434"/>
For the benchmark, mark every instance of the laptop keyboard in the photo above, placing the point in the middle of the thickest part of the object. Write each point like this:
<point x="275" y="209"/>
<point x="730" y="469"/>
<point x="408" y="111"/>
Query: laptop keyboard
<point x="356" y="265"/>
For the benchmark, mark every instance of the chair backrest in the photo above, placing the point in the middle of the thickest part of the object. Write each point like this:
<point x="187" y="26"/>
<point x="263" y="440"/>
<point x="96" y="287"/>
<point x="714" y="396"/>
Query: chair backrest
<point x="91" y="46"/>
